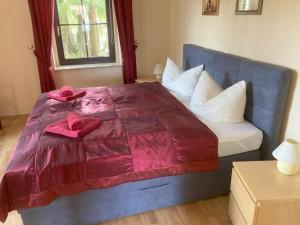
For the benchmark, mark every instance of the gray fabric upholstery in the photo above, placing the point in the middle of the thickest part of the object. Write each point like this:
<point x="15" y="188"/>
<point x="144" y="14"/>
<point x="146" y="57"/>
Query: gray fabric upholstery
<point x="267" y="88"/>
<point x="95" y="206"/>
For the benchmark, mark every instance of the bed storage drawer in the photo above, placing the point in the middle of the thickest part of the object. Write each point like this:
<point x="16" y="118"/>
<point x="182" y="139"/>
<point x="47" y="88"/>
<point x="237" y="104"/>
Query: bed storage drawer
<point x="242" y="198"/>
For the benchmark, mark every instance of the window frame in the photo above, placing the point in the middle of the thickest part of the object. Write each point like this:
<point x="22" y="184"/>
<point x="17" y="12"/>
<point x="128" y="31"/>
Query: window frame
<point x="92" y="60"/>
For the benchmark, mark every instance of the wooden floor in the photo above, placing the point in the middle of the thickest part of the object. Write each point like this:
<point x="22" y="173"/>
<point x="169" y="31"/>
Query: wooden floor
<point x="208" y="212"/>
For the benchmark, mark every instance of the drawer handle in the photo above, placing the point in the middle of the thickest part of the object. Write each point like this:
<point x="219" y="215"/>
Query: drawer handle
<point x="152" y="187"/>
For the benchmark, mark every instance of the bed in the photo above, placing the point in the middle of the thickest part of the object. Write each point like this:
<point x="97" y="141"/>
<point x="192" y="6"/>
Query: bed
<point x="267" y="93"/>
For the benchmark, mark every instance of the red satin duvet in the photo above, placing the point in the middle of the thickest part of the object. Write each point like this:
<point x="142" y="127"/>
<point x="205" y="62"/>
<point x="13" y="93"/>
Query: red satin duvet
<point x="145" y="133"/>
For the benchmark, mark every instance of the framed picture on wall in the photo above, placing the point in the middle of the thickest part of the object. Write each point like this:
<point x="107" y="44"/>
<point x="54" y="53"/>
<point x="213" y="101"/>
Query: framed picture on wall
<point x="210" y="7"/>
<point x="249" y="7"/>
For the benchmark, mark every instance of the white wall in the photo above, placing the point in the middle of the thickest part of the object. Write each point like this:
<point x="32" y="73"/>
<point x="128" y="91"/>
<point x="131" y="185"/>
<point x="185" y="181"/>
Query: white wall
<point x="272" y="37"/>
<point x="152" y="32"/>
<point x="90" y="77"/>
<point x="19" y="83"/>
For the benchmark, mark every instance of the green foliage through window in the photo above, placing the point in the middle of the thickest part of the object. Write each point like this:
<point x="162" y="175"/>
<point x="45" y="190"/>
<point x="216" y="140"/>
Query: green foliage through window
<point x="84" y="29"/>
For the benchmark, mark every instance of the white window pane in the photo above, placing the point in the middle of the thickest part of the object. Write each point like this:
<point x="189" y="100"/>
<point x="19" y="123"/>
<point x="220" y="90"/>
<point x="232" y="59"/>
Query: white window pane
<point x="98" y="43"/>
<point x="69" y="11"/>
<point x="94" y="11"/>
<point x="73" y="39"/>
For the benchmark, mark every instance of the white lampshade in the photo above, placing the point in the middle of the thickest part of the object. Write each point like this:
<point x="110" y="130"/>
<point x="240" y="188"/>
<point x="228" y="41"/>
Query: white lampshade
<point x="288" y="152"/>
<point x="158" y="69"/>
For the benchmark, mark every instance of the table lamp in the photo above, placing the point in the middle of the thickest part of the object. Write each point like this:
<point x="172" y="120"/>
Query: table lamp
<point x="288" y="156"/>
<point x="158" y="71"/>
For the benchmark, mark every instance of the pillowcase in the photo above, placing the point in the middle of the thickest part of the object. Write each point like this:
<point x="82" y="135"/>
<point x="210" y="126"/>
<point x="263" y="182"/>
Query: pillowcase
<point x="178" y="81"/>
<point x="185" y="83"/>
<point x="210" y="102"/>
<point x="171" y="72"/>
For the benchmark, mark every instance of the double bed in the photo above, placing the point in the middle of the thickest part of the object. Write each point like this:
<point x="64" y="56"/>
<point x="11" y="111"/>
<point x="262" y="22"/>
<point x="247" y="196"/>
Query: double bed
<point x="253" y="139"/>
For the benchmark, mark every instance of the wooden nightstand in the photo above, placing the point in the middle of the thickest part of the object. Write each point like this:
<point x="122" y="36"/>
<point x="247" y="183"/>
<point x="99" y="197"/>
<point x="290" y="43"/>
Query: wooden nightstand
<point x="146" y="79"/>
<point x="261" y="195"/>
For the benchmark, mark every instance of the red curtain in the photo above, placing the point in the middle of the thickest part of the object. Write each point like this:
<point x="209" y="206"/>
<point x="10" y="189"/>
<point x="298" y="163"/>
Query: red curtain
<point x="123" y="9"/>
<point x="42" y="16"/>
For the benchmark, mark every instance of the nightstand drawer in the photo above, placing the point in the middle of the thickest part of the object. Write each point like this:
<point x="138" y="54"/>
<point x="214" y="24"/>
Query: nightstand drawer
<point x="263" y="196"/>
<point x="234" y="212"/>
<point x="242" y="198"/>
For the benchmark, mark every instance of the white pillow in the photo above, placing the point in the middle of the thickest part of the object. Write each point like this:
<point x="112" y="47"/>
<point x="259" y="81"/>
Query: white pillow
<point x="178" y="81"/>
<point x="171" y="72"/>
<point x="207" y="88"/>
<point x="210" y="102"/>
<point x="185" y="83"/>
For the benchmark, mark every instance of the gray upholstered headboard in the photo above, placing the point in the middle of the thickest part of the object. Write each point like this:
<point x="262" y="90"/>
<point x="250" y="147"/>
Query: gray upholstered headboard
<point x="267" y="88"/>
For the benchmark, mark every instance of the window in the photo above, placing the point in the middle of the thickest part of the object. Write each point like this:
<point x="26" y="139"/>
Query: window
<point x="84" y="32"/>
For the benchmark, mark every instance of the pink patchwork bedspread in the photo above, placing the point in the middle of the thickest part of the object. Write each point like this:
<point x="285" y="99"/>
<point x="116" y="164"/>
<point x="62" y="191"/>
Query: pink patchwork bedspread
<point x="145" y="133"/>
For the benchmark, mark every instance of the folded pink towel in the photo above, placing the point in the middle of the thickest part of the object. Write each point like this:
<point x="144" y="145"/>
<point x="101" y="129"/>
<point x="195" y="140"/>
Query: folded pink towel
<point x="75" y="122"/>
<point x="56" y="95"/>
<point x="66" y="91"/>
<point x="62" y="127"/>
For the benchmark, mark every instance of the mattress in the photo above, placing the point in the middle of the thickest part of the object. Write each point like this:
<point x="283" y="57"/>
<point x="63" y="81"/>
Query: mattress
<point x="234" y="138"/>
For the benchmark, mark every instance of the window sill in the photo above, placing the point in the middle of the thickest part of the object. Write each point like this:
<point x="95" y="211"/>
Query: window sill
<point x="87" y="66"/>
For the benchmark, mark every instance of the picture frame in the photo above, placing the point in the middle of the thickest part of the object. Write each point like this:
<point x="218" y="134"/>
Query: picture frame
<point x="210" y="7"/>
<point x="249" y="7"/>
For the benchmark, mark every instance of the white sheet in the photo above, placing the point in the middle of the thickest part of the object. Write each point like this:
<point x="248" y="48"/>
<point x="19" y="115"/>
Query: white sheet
<point x="234" y="138"/>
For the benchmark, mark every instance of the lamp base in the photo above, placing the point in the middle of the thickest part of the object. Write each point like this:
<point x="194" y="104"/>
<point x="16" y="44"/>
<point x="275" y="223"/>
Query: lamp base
<point x="287" y="169"/>
<point x="158" y="77"/>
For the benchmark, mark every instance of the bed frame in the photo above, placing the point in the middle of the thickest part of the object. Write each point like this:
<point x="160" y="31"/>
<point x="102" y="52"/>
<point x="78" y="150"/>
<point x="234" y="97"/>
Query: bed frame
<point x="267" y="92"/>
